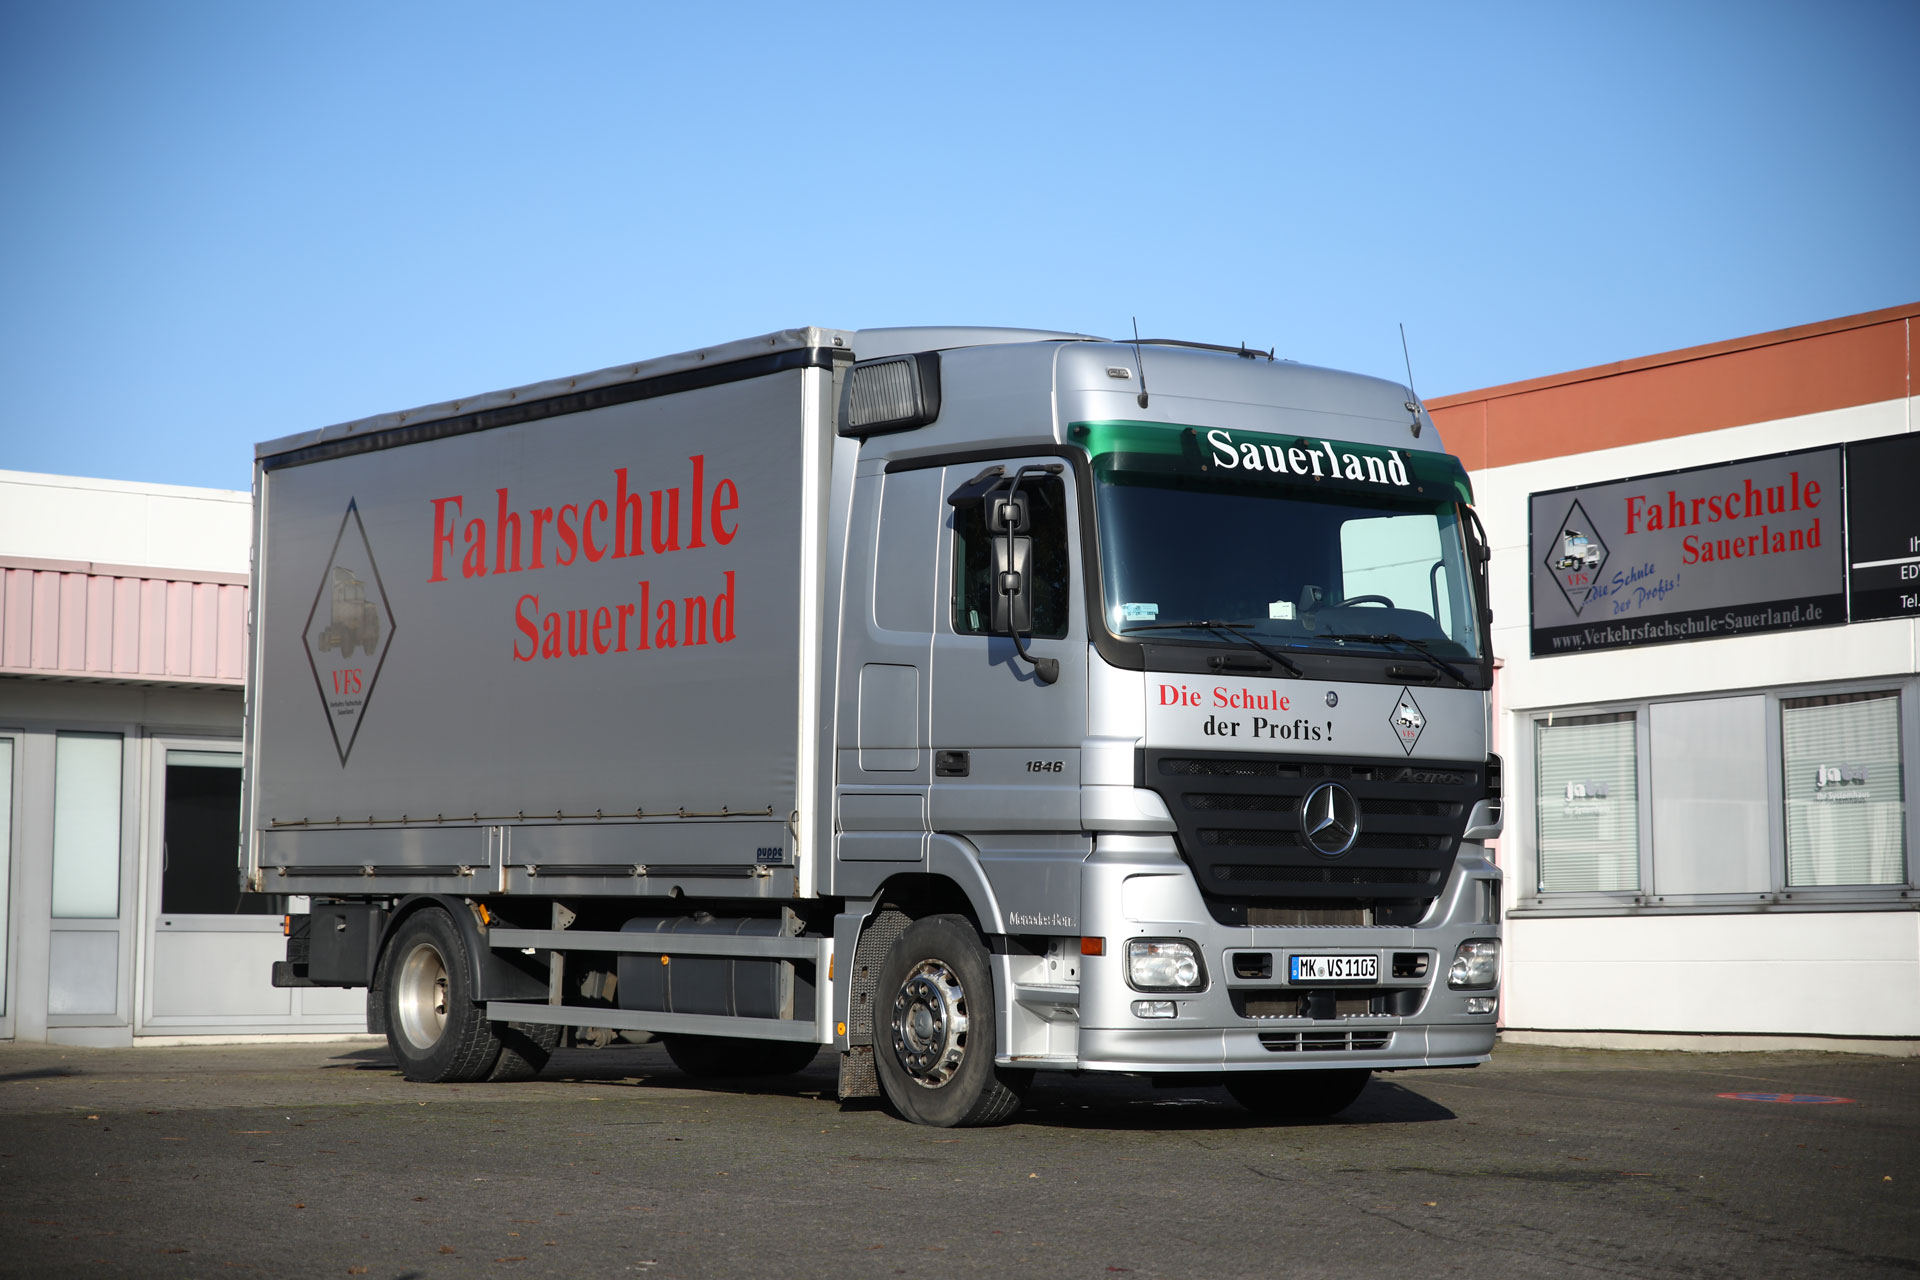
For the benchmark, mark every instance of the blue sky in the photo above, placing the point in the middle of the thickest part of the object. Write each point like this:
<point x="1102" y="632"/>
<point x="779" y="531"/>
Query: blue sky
<point x="225" y="222"/>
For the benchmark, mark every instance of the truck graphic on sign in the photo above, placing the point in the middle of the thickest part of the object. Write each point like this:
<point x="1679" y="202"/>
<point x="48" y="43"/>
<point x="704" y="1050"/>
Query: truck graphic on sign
<point x="354" y="620"/>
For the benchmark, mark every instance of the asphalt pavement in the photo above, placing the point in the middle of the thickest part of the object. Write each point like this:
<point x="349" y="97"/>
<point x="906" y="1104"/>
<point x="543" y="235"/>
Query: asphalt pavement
<point x="318" y="1160"/>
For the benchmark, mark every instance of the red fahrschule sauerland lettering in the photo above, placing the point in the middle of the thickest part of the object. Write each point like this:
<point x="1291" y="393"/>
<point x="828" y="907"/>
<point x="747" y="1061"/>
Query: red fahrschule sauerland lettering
<point x="592" y="530"/>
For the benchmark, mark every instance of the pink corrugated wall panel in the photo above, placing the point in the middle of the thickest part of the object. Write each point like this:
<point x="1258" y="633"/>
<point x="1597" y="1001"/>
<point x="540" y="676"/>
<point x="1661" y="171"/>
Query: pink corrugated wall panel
<point x="16" y="647"/>
<point x="46" y="620"/>
<point x="153" y="627"/>
<point x="179" y="659"/>
<point x="99" y="624"/>
<point x="233" y="633"/>
<point x="73" y="621"/>
<point x="206" y="629"/>
<point x="126" y="626"/>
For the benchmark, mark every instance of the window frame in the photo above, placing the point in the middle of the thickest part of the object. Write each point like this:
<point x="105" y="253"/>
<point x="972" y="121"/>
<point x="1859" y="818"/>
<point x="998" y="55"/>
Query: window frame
<point x="1531" y="900"/>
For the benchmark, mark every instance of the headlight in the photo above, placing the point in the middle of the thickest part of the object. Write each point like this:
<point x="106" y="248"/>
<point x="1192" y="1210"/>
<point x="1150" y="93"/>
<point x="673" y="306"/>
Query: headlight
<point x="1476" y="965"/>
<point x="1164" y="964"/>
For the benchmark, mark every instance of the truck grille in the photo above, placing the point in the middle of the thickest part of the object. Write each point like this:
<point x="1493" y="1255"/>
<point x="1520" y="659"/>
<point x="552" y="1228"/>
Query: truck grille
<point x="1317" y="1041"/>
<point x="1238" y="820"/>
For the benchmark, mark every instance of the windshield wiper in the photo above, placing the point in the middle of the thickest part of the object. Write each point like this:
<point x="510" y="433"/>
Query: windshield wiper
<point x="1232" y="630"/>
<point x="1388" y="637"/>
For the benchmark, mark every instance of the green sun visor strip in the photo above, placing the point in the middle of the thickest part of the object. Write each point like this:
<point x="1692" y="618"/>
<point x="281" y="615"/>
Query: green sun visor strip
<point x="1257" y="458"/>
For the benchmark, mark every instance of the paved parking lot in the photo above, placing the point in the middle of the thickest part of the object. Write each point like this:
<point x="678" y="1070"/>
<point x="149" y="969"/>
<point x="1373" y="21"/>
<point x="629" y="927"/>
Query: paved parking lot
<point x="319" y="1160"/>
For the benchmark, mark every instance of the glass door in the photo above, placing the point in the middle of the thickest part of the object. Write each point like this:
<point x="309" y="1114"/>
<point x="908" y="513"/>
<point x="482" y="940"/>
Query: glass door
<point x="87" y="943"/>
<point x="210" y="945"/>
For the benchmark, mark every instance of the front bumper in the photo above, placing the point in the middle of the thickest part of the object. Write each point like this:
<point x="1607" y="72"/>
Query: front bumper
<point x="1138" y="887"/>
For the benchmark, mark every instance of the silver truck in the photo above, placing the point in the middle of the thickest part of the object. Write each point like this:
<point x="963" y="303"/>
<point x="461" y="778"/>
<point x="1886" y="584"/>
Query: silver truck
<point x="971" y="702"/>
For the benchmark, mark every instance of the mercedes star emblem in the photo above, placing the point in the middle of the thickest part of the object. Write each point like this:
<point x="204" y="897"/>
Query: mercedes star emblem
<point x="1330" y="819"/>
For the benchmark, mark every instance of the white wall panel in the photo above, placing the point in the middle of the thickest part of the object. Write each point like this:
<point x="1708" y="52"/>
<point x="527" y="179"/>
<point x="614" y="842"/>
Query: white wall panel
<point x="1838" y="974"/>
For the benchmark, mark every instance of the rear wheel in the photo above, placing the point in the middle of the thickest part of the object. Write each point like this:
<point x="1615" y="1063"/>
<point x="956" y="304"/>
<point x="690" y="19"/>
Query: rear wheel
<point x="717" y="1057"/>
<point x="1297" y="1095"/>
<point x="436" y="1031"/>
<point x="524" y="1049"/>
<point x="934" y="1040"/>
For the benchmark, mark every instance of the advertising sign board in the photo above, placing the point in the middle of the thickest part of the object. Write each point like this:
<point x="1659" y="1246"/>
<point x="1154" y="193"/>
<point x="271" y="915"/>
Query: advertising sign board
<point x="1731" y="549"/>
<point x="1883" y="528"/>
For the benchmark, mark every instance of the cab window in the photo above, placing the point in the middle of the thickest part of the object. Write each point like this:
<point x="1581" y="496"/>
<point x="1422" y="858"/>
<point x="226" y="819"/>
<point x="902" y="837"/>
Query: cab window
<point x="973" y="562"/>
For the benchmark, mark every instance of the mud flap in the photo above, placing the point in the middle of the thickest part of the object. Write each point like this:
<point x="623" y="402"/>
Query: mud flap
<point x="857" y="1078"/>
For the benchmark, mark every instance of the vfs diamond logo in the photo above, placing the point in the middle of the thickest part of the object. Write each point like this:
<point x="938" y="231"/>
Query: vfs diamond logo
<point x="1408" y="721"/>
<point x="1575" y="557"/>
<point x="349" y="630"/>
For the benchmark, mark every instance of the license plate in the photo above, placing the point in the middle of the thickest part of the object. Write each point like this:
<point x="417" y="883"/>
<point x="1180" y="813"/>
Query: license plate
<point x="1334" y="969"/>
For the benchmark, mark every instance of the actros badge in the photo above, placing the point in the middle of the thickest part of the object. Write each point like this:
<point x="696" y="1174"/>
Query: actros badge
<point x="348" y="632"/>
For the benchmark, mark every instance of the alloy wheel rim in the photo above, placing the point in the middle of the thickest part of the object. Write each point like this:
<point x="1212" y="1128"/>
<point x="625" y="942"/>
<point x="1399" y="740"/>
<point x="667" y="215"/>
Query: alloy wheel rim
<point x="421" y="996"/>
<point x="930" y="1023"/>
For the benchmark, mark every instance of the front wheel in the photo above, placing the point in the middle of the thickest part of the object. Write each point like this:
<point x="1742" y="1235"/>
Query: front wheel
<point x="434" y="1028"/>
<point x="934" y="1034"/>
<point x="1297" y="1095"/>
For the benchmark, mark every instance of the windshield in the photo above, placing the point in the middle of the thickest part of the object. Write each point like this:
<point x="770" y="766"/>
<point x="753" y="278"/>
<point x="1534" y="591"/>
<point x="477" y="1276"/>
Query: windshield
<point x="1284" y="564"/>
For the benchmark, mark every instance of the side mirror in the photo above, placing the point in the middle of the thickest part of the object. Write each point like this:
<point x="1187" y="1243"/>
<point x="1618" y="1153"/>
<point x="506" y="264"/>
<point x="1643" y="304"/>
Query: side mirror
<point x="1008" y="514"/>
<point x="1012" y="600"/>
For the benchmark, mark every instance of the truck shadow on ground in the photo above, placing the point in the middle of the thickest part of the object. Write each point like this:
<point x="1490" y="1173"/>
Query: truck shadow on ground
<point x="1129" y="1103"/>
<point x="1066" y="1102"/>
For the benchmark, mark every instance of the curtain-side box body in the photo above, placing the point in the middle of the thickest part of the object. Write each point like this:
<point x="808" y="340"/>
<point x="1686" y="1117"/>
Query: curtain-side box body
<point x="571" y="631"/>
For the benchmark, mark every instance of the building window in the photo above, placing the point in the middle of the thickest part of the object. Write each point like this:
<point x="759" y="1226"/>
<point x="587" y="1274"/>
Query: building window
<point x="86" y="826"/>
<point x="1587" y="803"/>
<point x="1846" y="812"/>
<point x="1708" y="762"/>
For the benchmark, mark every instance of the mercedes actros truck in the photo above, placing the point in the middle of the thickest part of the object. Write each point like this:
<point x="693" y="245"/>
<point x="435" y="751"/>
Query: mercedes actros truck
<point x="970" y="703"/>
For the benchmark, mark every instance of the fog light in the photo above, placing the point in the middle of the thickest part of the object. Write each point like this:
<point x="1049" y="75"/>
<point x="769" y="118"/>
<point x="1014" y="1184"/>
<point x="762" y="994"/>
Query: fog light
<point x="1475" y="964"/>
<point x="1163" y="964"/>
<point x="1153" y="1008"/>
<point x="1481" y="1004"/>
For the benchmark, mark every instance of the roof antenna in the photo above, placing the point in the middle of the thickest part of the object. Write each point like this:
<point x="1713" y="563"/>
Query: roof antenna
<point x="1413" y="405"/>
<point x="1140" y="399"/>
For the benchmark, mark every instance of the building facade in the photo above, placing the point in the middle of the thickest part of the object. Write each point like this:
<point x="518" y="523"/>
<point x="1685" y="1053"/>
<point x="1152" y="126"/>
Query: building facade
<point x="1706" y="585"/>
<point x="122" y="663"/>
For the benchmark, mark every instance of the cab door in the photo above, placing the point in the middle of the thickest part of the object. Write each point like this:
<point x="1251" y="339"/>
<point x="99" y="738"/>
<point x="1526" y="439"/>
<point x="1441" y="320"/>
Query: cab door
<point x="1006" y="748"/>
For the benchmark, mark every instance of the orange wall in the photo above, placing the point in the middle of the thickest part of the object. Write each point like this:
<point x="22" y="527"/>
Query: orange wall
<point x="1855" y="360"/>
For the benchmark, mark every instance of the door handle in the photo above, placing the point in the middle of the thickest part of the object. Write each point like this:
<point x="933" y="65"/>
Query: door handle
<point x="951" y="764"/>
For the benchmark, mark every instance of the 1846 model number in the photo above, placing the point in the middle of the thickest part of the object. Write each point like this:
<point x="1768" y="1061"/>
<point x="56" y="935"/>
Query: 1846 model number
<point x="1043" y="766"/>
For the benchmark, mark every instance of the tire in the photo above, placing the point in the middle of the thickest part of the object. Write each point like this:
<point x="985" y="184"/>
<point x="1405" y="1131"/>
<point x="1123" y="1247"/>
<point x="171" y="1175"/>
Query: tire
<point x="436" y="1031"/>
<point x="1298" y="1095"/>
<point x="524" y="1049"/>
<point x="720" y="1057"/>
<point x="934" y="1029"/>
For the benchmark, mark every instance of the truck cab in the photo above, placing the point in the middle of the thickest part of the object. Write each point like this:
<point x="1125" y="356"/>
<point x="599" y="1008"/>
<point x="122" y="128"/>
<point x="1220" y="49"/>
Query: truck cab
<point x="1215" y="784"/>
